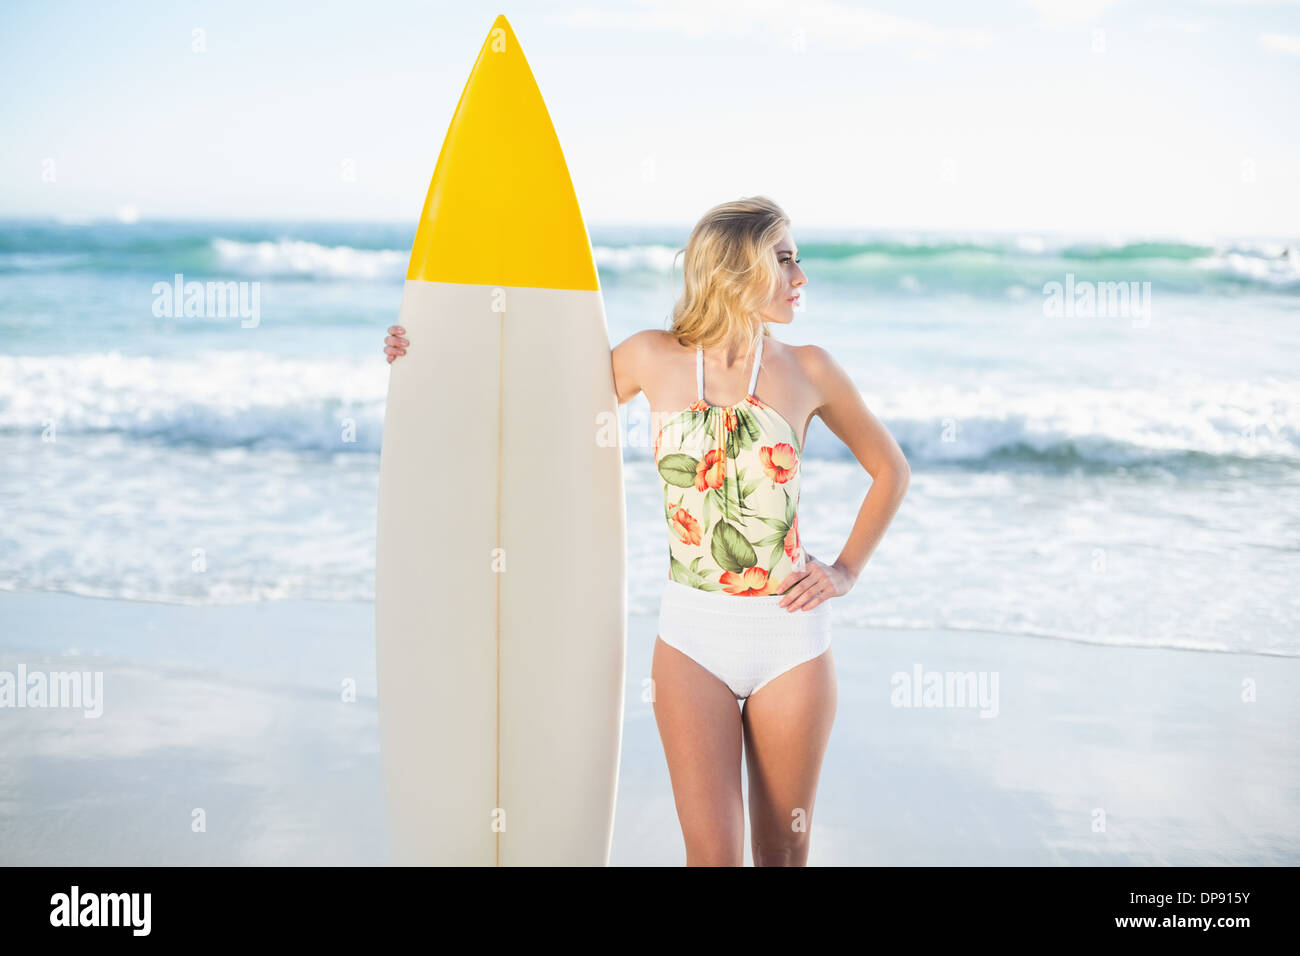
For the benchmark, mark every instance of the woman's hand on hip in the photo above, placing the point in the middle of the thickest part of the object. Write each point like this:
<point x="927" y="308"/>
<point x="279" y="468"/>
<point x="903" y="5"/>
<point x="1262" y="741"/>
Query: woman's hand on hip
<point x="814" y="583"/>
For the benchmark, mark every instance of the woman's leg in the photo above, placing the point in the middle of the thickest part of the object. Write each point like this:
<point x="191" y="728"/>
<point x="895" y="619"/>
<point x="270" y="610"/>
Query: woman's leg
<point x="699" y="724"/>
<point x="787" y="724"/>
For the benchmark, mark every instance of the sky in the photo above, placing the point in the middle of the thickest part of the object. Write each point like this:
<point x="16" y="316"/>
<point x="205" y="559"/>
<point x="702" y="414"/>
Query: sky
<point x="1076" y="116"/>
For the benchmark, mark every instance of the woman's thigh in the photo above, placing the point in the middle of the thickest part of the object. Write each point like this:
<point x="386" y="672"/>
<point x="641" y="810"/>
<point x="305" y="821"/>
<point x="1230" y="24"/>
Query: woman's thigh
<point x="699" y="724"/>
<point x="787" y="725"/>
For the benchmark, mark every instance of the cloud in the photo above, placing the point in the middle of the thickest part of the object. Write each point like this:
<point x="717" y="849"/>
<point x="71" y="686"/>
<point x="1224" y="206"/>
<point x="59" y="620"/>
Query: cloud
<point x="821" y="22"/>
<point x="1172" y="25"/>
<point x="1281" y="42"/>
<point x="1064" y="14"/>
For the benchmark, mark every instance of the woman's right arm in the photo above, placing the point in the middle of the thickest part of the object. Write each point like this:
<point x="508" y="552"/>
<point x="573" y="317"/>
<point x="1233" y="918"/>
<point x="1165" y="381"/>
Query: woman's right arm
<point x="629" y="357"/>
<point x="625" y="358"/>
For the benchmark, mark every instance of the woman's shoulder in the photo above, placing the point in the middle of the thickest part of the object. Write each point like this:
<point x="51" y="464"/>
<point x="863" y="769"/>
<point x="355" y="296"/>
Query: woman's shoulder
<point x="639" y="360"/>
<point x="647" y="340"/>
<point x="652" y="348"/>
<point x="808" y="353"/>
<point x="811" y="360"/>
<point x="810" y="371"/>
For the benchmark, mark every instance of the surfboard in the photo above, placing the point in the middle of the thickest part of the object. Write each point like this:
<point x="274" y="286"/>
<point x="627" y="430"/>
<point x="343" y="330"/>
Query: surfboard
<point x="500" y="559"/>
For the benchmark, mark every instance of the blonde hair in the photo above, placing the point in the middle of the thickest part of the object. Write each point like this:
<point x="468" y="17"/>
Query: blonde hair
<point x="729" y="273"/>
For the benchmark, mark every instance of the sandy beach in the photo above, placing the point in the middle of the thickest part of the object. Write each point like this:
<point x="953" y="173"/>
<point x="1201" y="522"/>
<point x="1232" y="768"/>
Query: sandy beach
<point x="1089" y="755"/>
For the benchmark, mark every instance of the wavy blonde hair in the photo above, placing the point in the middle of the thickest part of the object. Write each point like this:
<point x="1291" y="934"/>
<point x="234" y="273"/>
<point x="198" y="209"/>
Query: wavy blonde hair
<point x="729" y="273"/>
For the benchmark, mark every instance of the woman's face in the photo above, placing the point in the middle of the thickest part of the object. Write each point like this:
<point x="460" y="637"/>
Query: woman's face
<point x="786" y="302"/>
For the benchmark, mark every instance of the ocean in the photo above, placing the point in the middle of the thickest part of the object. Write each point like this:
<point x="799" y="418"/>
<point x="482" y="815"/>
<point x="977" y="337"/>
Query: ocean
<point x="1104" y="432"/>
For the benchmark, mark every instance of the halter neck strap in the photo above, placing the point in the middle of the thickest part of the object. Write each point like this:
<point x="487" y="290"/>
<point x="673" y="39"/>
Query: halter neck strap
<point x="699" y="371"/>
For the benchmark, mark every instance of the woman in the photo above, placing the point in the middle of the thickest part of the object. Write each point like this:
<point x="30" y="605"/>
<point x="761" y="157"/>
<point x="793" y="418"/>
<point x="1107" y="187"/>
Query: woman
<point x="744" y="614"/>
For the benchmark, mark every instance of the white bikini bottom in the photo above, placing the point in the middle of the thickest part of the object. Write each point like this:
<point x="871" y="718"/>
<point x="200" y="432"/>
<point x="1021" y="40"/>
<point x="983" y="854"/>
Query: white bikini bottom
<point x="745" y="642"/>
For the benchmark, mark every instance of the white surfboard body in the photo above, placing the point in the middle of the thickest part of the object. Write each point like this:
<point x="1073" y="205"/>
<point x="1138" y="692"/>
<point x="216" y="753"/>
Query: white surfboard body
<point x="500" y="571"/>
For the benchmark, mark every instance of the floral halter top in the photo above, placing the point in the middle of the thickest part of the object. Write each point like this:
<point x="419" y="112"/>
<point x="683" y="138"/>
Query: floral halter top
<point x="730" y="477"/>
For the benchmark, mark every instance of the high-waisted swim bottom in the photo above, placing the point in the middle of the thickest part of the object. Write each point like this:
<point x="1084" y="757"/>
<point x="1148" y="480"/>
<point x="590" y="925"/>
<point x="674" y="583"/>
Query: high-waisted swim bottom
<point x="743" y="641"/>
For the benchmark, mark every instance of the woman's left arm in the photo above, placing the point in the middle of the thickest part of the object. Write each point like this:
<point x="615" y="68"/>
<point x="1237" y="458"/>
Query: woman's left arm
<point x="847" y="416"/>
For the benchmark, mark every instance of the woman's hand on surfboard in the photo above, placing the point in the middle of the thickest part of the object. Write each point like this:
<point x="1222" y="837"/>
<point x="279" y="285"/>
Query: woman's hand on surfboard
<point x="395" y="345"/>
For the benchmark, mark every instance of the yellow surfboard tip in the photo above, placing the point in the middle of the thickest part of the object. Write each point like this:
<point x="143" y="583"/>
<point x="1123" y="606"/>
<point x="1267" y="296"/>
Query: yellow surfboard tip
<point x="501" y="208"/>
